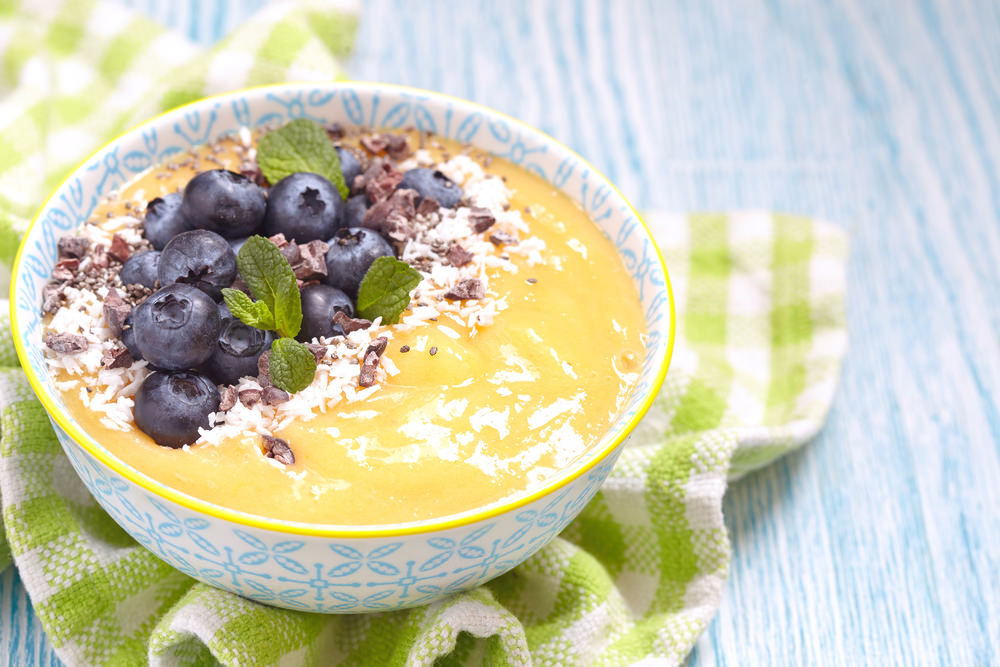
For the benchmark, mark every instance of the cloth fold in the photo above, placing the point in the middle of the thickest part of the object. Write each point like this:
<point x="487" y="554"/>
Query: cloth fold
<point x="638" y="575"/>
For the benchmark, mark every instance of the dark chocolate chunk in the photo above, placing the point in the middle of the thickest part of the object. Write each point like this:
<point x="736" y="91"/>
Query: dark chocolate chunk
<point x="458" y="256"/>
<point x="481" y="219"/>
<point x="274" y="396"/>
<point x="73" y="246"/>
<point x="119" y="248"/>
<point x="374" y="143"/>
<point x="366" y="377"/>
<point x="433" y="350"/>
<point x="278" y="449"/>
<point x="397" y="147"/>
<point x="503" y="238"/>
<point x="116" y="357"/>
<point x="250" y="397"/>
<point x="228" y="398"/>
<point x="115" y="311"/>
<point x="469" y="288"/>
<point x="348" y="323"/>
<point x="65" y="269"/>
<point x="65" y="342"/>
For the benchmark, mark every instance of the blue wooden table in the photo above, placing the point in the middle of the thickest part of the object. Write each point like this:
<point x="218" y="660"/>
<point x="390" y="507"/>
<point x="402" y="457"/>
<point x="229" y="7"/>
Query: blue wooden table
<point x="879" y="543"/>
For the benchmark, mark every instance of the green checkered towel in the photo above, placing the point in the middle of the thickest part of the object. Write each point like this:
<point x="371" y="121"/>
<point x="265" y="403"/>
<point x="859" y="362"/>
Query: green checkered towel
<point x="637" y="576"/>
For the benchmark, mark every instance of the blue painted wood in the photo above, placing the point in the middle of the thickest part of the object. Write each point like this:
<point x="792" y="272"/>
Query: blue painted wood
<point x="879" y="543"/>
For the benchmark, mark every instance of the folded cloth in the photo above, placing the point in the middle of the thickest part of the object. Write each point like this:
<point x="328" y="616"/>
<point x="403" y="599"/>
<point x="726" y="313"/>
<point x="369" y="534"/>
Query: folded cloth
<point x="637" y="576"/>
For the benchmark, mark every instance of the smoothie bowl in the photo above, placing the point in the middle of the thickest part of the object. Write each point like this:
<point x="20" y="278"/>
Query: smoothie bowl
<point x="341" y="347"/>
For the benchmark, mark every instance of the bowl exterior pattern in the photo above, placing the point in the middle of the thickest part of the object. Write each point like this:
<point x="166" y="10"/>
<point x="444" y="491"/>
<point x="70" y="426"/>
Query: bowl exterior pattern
<point x="330" y="575"/>
<point x="322" y="573"/>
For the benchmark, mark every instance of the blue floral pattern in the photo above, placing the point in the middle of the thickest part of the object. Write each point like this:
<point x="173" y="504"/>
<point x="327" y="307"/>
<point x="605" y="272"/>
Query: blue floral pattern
<point x="316" y="573"/>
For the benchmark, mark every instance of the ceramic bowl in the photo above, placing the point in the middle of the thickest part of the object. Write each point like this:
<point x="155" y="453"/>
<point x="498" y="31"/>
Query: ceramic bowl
<point x="330" y="568"/>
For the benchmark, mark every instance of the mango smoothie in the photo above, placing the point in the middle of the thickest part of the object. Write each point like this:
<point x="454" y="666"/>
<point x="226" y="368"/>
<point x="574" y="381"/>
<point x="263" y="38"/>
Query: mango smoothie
<point x="476" y="399"/>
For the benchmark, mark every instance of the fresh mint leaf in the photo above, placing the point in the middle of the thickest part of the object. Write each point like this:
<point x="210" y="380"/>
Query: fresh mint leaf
<point x="250" y="313"/>
<point x="272" y="281"/>
<point x="291" y="365"/>
<point x="301" y="145"/>
<point x="385" y="290"/>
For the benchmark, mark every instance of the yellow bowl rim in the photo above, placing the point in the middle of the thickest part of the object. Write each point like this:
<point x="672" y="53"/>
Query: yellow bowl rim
<point x="189" y="502"/>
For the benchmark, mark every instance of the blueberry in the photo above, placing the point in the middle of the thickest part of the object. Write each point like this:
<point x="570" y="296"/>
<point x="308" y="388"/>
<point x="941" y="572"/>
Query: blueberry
<point x="176" y="328"/>
<point x="236" y="350"/>
<point x="170" y="407"/>
<point x="164" y="220"/>
<point x="236" y="244"/>
<point x="224" y="202"/>
<point x="432" y="183"/>
<point x="352" y="251"/>
<point x="319" y="304"/>
<point x="200" y="258"/>
<point x="349" y="166"/>
<point x="354" y="211"/>
<point x="304" y="207"/>
<point x="128" y="338"/>
<point x="141" y="269"/>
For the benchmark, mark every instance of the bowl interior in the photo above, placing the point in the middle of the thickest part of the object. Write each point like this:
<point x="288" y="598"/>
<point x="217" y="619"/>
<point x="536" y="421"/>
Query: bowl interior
<point x="375" y="105"/>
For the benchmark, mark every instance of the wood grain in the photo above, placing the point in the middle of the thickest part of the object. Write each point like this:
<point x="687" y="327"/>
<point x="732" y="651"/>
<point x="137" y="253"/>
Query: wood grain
<point x="879" y="543"/>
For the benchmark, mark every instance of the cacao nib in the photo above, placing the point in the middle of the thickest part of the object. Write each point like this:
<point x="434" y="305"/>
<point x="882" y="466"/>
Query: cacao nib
<point x="319" y="351"/>
<point x="348" y="323"/>
<point x="458" y="256"/>
<point x="274" y="396"/>
<point x="366" y="376"/>
<point x="469" y="288"/>
<point x="73" y="246"/>
<point x="481" y="219"/>
<point x="115" y="311"/>
<point x="503" y="238"/>
<point x="250" y="397"/>
<point x="374" y="143"/>
<point x="65" y="269"/>
<point x="311" y="264"/>
<point x="228" y="398"/>
<point x="397" y="147"/>
<point x="278" y="449"/>
<point x="119" y="248"/>
<point x="65" y="342"/>
<point x="427" y="206"/>
<point x="116" y="357"/>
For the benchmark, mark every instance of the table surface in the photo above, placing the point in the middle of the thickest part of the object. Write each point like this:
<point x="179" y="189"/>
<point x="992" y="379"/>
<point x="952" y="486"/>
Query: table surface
<point x="879" y="542"/>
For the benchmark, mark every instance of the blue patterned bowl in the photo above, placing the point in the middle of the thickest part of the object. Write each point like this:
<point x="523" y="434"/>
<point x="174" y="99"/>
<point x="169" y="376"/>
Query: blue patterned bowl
<point x="329" y="568"/>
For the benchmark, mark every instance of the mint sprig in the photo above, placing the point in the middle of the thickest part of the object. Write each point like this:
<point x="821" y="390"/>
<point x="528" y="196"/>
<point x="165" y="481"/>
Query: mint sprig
<point x="272" y="282"/>
<point x="278" y="308"/>
<point x="251" y="313"/>
<point x="300" y="145"/>
<point x="291" y="366"/>
<point x="385" y="290"/>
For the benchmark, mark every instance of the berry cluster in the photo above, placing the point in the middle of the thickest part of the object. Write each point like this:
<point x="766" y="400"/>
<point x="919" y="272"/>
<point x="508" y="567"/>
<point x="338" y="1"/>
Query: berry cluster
<point x="184" y="331"/>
